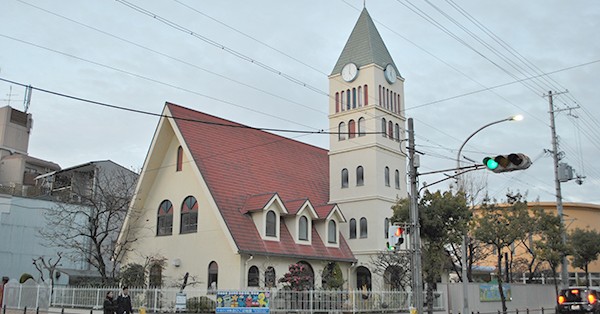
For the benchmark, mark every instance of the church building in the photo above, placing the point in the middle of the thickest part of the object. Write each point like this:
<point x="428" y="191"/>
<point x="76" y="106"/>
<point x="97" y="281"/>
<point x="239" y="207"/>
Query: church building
<point x="234" y="206"/>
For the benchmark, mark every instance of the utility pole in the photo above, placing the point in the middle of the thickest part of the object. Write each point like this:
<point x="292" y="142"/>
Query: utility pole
<point x="415" y="230"/>
<point x="564" y="274"/>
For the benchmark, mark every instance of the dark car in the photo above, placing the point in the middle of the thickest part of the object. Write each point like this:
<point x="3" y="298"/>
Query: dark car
<point x="578" y="300"/>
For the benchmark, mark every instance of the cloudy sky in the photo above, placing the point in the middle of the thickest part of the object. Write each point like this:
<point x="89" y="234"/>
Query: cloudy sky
<point x="265" y="64"/>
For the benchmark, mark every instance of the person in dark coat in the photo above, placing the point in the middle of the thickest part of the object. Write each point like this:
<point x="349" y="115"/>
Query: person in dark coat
<point x="124" y="302"/>
<point x="110" y="305"/>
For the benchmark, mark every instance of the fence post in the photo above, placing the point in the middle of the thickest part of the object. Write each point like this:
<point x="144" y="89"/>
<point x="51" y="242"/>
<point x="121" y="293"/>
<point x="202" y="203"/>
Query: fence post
<point x="98" y="298"/>
<point x="62" y="310"/>
<point x="20" y="290"/>
<point x="516" y="311"/>
<point x="37" y="310"/>
<point x="25" y="310"/>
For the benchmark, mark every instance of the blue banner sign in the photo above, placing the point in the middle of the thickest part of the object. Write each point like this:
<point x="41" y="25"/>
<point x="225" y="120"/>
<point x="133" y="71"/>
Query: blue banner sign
<point x="491" y="293"/>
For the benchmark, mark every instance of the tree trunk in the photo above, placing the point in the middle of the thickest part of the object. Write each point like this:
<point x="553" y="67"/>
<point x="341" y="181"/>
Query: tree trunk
<point x="499" y="276"/>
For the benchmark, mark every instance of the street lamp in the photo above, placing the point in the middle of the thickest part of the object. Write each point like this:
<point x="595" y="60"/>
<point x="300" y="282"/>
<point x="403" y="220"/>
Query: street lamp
<point x="465" y="279"/>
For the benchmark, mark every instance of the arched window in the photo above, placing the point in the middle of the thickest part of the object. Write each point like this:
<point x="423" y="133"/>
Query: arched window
<point x="189" y="215"/>
<point x="331" y="232"/>
<point x="383" y="127"/>
<point x="360" y="96"/>
<point x="343" y="102"/>
<point x="366" y="92"/>
<point x="397" y="132"/>
<point x="391" y="129"/>
<point x="348" y="99"/>
<point x="360" y="176"/>
<point x="342" y="131"/>
<point x="354" y="97"/>
<point x="380" y="98"/>
<point x="351" y="129"/>
<point x="399" y="104"/>
<point x="253" y="276"/>
<point x="337" y="102"/>
<point x="361" y="126"/>
<point x="179" y="158"/>
<point x="394" y="103"/>
<point x="155" y="276"/>
<point x="397" y="179"/>
<point x="387" y="176"/>
<point x="271" y="225"/>
<point x="352" y="230"/>
<point x="164" y="225"/>
<point x="386" y="228"/>
<point x="344" y="178"/>
<point x="303" y="228"/>
<point x="213" y="276"/>
<point x="363" y="228"/>
<point x="363" y="278"/>
<point x="270" y="277"/>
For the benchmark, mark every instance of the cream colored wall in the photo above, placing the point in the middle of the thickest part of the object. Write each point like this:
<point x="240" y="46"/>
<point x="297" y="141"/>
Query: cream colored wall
<point x="12" y="135"/>
<point x="194" y="250"/>
<point x="11" y="170"/>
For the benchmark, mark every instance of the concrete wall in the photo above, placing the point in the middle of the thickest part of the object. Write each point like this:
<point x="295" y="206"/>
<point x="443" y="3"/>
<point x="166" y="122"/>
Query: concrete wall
<point x="20" y="221"/>
<point x="523" y="297"/>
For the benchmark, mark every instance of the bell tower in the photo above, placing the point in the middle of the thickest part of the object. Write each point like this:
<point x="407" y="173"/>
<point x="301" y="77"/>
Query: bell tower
<point x="367" y="158"/>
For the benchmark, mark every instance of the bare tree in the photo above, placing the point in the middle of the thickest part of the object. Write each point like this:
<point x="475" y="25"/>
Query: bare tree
<point x="41" y="264"/>
<point x="87" y="229"/>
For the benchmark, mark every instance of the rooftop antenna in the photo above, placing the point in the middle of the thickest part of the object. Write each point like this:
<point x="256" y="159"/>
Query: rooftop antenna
<point x="10" y="94"/>
<point x="27" y="98"/>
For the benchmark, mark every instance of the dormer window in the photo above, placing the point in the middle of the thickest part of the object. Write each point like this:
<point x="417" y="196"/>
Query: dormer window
<point x="271" y="224"/>
<point x="303" y="228"/>
<point x="331" y="232"/>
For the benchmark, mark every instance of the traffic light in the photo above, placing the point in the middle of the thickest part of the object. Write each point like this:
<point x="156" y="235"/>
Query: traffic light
<point x="506" y="163"/>
<point x="395" y="237"/>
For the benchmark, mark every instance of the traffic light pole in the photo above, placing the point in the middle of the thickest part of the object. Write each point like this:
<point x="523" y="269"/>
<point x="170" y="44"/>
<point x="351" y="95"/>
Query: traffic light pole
<point x="564" y="273"/>
<point x="415" y="230"/>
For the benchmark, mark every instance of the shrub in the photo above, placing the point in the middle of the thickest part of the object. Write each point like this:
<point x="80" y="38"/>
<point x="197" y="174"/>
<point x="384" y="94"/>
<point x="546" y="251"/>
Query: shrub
<point x="25" y="277"/>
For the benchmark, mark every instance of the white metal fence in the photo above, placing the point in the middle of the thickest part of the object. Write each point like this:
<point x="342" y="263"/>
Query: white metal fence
<point x="203" y="301"/>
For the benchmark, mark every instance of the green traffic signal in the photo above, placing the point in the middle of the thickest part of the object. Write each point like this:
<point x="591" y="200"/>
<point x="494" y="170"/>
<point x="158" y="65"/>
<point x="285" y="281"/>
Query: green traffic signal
<point x="490" y="163"/>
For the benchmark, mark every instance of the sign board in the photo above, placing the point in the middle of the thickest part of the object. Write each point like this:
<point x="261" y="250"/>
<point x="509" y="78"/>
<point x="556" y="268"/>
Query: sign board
<point x="490" y="292"/>
<point x="180" y="301"/>
<point x="243" y="302"/>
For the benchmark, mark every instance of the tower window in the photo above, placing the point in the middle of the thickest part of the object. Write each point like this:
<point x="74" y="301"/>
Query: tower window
<point x="361" y="126"/>
<point x="366" y="92"/>
<point x="360" y="180"/>
<point x="344" y="178"/>
<point x="386" y="227"/>
<point x="352" y="228"/>
<point x="397" y="179"/>
<point x="387" y="176"/>
<point x="337" y="102"/>
<point x="397" y="132"/>
<point x="351" y="129"/>
<point x="380" y="96"/>
<point x="360" y="96"/>
<point x="399" y="104"/>
<point x="391" y="129"/>
<point x="383" y="127"/>
<point x="342" y="131"/>
<point x="343" y="103"/>
<point x="348" y="99"/>
<point x="363" y="228"/>
<point x="353" y="98"/>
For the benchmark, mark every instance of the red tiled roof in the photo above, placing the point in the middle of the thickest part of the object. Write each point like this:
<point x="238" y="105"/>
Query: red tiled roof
<point x="238" y="162"/>
<point x="256" y="202"/>
<point x="294" y="206"/>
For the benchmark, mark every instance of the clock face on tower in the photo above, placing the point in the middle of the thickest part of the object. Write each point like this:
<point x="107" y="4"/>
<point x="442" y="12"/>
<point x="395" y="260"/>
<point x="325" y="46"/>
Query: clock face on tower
<point x="390" y="73"/>
<point x="349" y="72"/>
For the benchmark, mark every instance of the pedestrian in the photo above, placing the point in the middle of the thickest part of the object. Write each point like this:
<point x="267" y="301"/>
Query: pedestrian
<point x="124" y="302"/>
<point x="4" y="282"/>
<point x="110" y="305"/>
